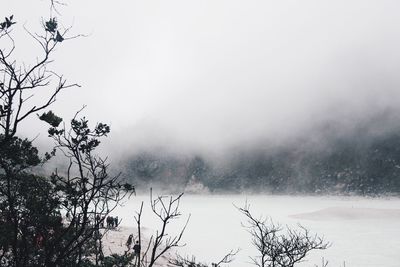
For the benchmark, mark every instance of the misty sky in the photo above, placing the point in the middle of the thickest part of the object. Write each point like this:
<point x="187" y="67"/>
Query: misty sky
<point x="215" y="73"/>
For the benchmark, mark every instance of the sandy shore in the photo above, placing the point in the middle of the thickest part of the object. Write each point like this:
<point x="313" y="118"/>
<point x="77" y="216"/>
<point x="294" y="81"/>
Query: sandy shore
<point x="114" y="241"/>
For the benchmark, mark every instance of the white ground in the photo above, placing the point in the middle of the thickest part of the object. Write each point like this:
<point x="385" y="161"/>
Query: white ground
<point x="364" y="231"/>
<point x="115" y="239"/>
<point x="115" y="242"/>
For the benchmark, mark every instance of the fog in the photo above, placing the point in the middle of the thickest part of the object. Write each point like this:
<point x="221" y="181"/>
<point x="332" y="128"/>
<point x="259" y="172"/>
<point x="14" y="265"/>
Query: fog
<point x="272" y="102"/>
<point x="209" y="75"/>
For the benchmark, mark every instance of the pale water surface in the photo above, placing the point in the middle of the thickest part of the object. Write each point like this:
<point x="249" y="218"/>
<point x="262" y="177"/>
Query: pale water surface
<point x="363" y="231"/>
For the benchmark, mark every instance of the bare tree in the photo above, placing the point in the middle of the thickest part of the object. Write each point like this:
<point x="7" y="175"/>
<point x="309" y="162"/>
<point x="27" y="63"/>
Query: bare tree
<point x="191" y="262"/>
<point x="166" y="209"/>
<point x="186" y="262"/>
<point x="138" y="218"/>
<point x="324" y="263"/>
<point x="228" y="258"/>
<point x="20" y="81"/>
<point x="279" y="246"/>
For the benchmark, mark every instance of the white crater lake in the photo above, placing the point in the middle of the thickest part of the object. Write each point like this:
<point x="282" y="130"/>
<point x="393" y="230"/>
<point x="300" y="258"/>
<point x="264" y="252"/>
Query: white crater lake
<point x="363" y="231"/>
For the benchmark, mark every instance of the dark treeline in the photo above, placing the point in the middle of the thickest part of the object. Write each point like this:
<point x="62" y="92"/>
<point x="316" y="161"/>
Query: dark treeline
<point x="359" y="163"/>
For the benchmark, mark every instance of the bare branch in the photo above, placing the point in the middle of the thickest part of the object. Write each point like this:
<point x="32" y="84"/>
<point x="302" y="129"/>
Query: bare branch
<point x="277" y="248"/>
<point x="165" y="209"/>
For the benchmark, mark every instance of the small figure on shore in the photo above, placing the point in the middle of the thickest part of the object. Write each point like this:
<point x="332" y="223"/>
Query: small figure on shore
<point x="136" y="252"/>
<point x="129" y="241"/>
<point x="116" y="221"/>
<point x="102" y="221"/>
<point x="97" y="222"/>
<point x="110" y="222"/>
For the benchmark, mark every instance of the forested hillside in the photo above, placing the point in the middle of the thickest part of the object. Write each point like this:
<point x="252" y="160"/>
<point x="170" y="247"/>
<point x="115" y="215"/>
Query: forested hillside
<point x="357" y="163"/>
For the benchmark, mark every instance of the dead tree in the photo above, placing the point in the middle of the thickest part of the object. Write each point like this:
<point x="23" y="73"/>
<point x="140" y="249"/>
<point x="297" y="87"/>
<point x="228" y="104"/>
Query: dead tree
<point x="279" y="246"/>
<point x="166" y="209"/>
<point x="324" y="263"/>
<point x="138" y="218"/>
<point x="191" y="262"/>
<point x="19" y="81"/>
<point x="186" y="262"/>
<point x="228" y="258"/>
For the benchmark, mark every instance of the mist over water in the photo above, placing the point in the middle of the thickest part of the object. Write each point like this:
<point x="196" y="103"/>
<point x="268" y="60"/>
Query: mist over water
<point x="207" y="76"/>
<point x="258" y="94"/>
<point x="293" y="106"/>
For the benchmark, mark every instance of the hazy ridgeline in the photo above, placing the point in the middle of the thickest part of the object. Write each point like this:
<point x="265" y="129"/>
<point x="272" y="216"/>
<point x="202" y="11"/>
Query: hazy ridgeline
<point x="363" y="160"/>
<point x="223" y="98"/>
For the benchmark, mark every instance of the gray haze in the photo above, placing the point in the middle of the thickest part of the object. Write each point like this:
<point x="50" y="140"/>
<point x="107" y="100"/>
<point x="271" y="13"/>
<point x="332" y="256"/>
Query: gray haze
<point x="209" y="75"/>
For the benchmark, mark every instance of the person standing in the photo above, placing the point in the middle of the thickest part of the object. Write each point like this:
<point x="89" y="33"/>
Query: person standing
<point x="136" y="253"/>
<point x="116" y="221"/>
<point x="129" y="241"/>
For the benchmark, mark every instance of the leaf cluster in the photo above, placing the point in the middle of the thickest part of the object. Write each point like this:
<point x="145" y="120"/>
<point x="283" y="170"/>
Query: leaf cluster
<point x="18" y="154"/>
<point x="51" y="118"/>
<point x="51" y="26"/>
<point x="7" y="23"/>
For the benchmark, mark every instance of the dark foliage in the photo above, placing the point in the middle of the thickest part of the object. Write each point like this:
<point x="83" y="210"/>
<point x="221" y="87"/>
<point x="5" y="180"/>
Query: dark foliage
<point x="53" y="220"/>
<point x="350" y="164"/>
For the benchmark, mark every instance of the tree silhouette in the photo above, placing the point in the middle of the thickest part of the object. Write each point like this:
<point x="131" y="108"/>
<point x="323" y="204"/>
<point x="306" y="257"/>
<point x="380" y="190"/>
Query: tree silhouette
<point x="49" y="221"/>
<point x="276" y="247"/>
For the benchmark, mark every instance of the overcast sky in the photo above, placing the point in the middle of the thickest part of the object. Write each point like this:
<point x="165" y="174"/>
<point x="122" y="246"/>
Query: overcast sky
<point x="216" y="73"/>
